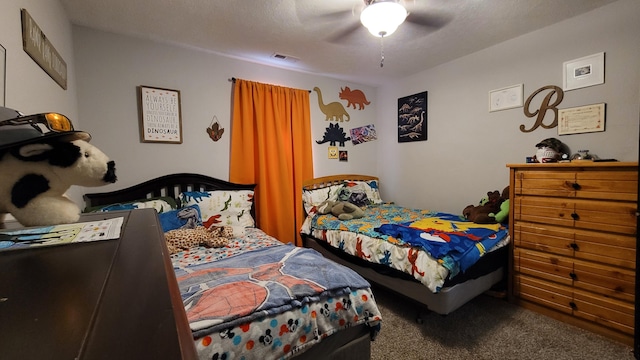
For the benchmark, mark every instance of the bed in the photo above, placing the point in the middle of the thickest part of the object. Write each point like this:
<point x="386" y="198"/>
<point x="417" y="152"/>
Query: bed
<point x="439" y="260"/>
<point x="254" y="297"/>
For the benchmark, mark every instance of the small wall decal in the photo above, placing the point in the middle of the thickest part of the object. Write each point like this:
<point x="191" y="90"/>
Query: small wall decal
<point x="214" y="130"/>
<point x="353" y="97"/>
<point x="334" y="134"/>
<point x="332" y="111"/>
<point x="333" y="152"/>
<point x="363" y="134"/>
<point x="344" y="155"/>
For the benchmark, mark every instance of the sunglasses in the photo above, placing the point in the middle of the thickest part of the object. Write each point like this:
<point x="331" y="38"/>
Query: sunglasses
<point x="44" y="123"/>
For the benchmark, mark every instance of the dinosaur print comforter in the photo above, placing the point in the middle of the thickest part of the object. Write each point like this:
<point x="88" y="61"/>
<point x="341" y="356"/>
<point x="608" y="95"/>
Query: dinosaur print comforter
<point x="258" y="298"/>
<point x="428" y="245"/>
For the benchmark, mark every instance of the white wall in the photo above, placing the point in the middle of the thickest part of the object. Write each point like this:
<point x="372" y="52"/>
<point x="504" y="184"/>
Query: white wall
<point x="468" y="147"/>
<point x="110" y="67"/>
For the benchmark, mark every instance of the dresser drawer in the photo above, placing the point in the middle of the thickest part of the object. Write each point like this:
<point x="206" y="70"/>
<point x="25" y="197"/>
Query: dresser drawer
<point x="542" y="292"/>
<point x="607" y="248"/>
<point x="611" y="313"/>
<point x="600" y="279"/>
<point x="608" y="216"/>
<point x="619" y="184"/>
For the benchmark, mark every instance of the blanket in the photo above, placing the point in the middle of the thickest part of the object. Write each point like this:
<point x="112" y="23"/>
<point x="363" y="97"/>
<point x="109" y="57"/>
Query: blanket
<point x="262" y="282"/>
<point x="457" y="243"/>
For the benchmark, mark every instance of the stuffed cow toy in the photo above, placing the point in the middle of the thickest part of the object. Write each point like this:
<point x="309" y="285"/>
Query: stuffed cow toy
<point x="41" y="156"/>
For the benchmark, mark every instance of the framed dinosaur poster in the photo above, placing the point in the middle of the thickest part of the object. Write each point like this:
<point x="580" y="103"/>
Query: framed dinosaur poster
<point x="412" y="118"/>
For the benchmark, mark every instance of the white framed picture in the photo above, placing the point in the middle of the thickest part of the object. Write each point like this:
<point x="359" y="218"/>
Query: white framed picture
<point x="506" y="98"/>
<point x="583" y="72"/>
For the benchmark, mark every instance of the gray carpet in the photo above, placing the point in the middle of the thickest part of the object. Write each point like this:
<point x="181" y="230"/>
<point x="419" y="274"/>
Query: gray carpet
<point x="485" y="328"/>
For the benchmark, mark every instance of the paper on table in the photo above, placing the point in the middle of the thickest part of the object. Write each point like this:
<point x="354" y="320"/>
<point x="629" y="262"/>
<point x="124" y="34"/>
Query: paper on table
<point x="61" y="234"/>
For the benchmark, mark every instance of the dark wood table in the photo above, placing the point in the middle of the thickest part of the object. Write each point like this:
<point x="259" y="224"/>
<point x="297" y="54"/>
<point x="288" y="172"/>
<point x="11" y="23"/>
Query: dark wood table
<point x="110" y="299"/>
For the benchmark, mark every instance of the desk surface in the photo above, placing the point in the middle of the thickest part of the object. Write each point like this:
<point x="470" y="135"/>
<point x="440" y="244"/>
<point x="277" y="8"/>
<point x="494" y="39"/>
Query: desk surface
<point x="111" y="299"/>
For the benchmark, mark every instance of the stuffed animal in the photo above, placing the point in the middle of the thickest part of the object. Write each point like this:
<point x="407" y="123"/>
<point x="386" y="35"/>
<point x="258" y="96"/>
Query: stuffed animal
<point x="35" y="176"/>
<point x="186" y="238"/>
<point x="485" y="212"/>
<point x="343" y="210"/>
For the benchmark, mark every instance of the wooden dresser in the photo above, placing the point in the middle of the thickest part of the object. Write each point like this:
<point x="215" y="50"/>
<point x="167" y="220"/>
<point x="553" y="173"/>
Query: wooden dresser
<point x="573" y="227"/>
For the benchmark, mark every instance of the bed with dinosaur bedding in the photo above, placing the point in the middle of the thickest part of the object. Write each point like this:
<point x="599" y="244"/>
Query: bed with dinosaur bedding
<point x="437" y="259"/>
<point x="247" y="295"/>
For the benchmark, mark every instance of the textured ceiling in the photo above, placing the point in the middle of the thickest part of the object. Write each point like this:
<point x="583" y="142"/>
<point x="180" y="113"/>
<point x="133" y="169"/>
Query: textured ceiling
<point x="324" y="36"/>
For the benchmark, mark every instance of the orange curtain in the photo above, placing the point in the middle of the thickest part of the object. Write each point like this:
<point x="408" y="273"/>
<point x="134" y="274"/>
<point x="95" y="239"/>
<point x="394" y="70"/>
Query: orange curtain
<point x="271" y="147"/>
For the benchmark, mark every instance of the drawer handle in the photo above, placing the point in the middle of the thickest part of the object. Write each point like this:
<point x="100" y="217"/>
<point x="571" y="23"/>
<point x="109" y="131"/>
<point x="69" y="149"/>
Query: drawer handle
<point x="573" y="305"/>
<point x="573" y="275"/>
<point x="576" y="186"/>
<point x="574" y="246"/>
<point x="575" y="216"/>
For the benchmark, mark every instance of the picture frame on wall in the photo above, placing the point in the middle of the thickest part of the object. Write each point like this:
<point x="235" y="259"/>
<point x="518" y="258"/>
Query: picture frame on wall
<point x="412" y="118"/>
<point x="583" y="72"/>
<point x="582" y="119"/>
<point x="160" y="115"/>
<point x="3" y="73"/>
<point x="506" y="98"/>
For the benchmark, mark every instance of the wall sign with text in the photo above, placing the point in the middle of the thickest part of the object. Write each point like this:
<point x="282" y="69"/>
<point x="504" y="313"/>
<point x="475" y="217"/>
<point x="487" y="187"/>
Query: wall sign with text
<point x="160" y="115"/>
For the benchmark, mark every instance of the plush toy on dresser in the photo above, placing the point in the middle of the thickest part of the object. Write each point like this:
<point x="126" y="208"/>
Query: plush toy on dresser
<point x="41" y="156"/>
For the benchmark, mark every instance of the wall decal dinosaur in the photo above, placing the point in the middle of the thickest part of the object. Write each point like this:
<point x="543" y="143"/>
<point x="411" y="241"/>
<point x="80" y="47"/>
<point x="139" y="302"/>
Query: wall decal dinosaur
<point x="334" y="134"/>
<point x="332" y="111"/>
<point x="353" y="97"/>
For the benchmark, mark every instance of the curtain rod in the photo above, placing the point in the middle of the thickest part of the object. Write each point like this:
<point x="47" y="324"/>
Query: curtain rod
<point x="233" y="80"/>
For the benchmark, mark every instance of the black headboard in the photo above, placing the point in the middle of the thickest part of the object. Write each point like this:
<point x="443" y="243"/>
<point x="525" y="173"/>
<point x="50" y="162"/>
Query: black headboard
<point x="167" y="185"/>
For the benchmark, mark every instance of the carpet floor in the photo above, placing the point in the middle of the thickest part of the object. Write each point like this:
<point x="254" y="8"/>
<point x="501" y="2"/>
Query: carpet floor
<point x="484" y="328"/>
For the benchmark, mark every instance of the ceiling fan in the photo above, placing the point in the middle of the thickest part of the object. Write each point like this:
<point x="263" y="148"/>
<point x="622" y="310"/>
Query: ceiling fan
<point x="381" y="18"/>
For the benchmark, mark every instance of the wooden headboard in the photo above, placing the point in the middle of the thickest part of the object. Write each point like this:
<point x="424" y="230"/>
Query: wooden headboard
<point x="167" y="185"/>
<point x="326" y="181"/>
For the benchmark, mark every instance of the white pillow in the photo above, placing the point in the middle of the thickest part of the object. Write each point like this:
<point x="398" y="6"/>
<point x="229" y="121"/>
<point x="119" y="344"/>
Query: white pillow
<point x="222" y="207"/>
<point x="370" y="188"/>
<point x="315" y="197"/>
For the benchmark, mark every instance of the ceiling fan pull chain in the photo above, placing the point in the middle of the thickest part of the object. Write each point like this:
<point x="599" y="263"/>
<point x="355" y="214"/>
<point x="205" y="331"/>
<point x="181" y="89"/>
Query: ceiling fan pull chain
<point x="382" y="51"/>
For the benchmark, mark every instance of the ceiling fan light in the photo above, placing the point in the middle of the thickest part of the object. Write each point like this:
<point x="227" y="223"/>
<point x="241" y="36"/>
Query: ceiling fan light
<point x="383" y="18"/>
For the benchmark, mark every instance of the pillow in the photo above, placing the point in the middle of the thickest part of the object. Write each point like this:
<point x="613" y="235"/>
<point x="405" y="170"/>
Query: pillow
<point x="187" y="217"/>
<point x="354" y="194"/>
<point x="315" y="197"/>
<point x="222" y="207"/>
<point x="370" y="187"/>
<point x="161" y="204"/>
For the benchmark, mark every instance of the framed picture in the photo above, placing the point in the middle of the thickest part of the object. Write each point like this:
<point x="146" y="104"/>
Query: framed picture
<point x="412" y="118"/>
<point x="581" y="119"/>
<point x="3" y="72"/>
<point x="583" y="72"/>
<point x="506" y="98"/>
<point x="160" y="115"/>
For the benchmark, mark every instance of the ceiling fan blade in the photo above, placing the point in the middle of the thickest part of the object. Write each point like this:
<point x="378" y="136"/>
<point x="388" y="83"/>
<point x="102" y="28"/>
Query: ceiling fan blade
<point x="431" y="20"/>
<point x="343" y="35"/>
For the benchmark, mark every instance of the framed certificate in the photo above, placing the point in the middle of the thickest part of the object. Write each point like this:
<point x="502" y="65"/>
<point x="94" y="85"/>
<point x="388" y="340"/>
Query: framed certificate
<point x="582" y="119"/>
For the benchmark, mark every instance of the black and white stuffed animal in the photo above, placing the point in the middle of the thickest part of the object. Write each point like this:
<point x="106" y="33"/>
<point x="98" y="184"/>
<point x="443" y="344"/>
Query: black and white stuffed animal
<point x="35" y="177"/>
<point x="41" y="156"/>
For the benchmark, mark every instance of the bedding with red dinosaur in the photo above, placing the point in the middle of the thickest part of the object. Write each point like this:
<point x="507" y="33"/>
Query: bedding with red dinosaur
<point x="258" y="298"/>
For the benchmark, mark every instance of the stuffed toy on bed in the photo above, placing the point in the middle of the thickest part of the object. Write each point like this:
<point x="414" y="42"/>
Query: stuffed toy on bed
<point x="41" y="156"/>
<point x="186" y="238"/>
<point x="343" y="210"/>
<point x="491" y="210"/>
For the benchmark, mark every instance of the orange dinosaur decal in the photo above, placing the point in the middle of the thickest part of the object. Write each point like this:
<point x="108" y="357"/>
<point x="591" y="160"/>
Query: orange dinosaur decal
<point x="359" y="252"/>
<point x="413" y="257"/>
<point x="353" y="97"/>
